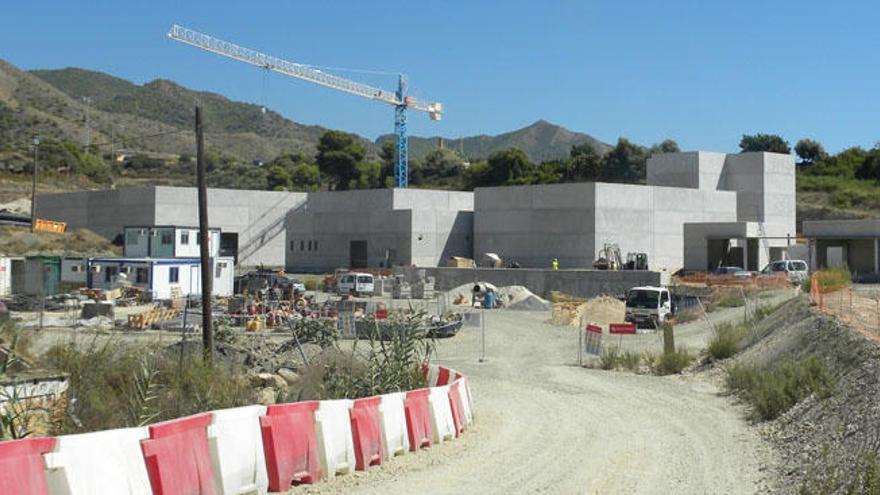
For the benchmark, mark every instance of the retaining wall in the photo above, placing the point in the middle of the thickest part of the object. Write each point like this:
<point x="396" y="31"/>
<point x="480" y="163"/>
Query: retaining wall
<point x="581" y="283"/>
<point x="245" y="450"/>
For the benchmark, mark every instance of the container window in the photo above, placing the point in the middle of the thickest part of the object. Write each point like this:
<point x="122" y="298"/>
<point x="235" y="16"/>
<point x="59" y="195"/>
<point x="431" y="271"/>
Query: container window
<point x="173" y="275"/>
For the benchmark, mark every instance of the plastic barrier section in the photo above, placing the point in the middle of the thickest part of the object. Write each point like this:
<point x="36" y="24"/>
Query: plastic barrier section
<point x="366" y="432"/>
<point x="466" y="403"/>
<point x="395" y="438"/>
<point x="334" y="437"/>
<point x="237" y="450"/>
<point x="290" y="445"/>
<point x="177" y="456"/>
<point x="418" y="419"/>
<point x="21" y="466"/>
<point x="454" y="397"/>
<point x="441" y="415"/>
<point x="101" y="462"/>
<point x="442" y="376"/>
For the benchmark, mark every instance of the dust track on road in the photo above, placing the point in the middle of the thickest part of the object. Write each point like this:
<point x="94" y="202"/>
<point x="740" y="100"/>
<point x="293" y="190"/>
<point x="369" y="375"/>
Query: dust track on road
<point x="547" y="425"/>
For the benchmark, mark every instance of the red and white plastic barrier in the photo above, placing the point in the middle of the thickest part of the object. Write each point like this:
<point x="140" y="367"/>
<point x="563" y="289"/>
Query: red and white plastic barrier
<point x="441" y="414"/>
<point x="335" y="443"/>
<point x="108" y="461"/>
<point x="237" y="450"/>
<point x="395" y="438"/>
<point x="244" y="450"/>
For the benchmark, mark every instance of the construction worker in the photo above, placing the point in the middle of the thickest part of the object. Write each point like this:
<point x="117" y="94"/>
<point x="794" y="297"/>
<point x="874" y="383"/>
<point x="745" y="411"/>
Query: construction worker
<point x="555" y="264"/>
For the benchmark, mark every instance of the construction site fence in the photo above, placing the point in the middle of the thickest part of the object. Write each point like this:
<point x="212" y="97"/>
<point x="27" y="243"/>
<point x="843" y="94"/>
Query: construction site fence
<point x="859" y="309"/>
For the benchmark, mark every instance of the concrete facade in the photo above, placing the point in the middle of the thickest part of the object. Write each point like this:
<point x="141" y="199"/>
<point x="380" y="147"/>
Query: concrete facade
<point x="380" y="227"/>
<point x="254" y="219"/>
<point x="571" y="222"/>
<point x="534" y="224"/>
<point x="854" y="244"/>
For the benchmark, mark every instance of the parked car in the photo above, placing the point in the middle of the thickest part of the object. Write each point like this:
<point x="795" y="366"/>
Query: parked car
<point x="797" y="270"/>
<point x="297" y="284"/>
<point x="355" y="283"/>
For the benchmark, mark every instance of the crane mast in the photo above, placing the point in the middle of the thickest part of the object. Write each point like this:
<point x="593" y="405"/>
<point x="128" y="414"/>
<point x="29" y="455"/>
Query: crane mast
<point x="398" y="99"/>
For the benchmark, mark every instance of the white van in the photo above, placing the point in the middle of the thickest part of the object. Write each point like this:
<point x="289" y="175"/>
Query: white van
<point x="355" y="283"/>
<point x="797" y="270"/>
<point x="648" y="306"/>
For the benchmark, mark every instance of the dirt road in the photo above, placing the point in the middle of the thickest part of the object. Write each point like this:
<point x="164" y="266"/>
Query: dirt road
<point x="546" y="425"/>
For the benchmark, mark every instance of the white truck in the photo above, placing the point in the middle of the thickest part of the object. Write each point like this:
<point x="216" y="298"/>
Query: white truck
<point x="648" y="306"/>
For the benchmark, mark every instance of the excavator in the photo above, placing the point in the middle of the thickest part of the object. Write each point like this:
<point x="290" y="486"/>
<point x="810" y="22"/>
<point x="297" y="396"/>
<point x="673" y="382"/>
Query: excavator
<point x="609" y="258"/>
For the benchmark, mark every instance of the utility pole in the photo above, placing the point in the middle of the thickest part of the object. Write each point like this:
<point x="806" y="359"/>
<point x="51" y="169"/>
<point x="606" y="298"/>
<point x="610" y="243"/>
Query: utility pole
<point x="34" y="186"/>
<point x="204" y="247"/>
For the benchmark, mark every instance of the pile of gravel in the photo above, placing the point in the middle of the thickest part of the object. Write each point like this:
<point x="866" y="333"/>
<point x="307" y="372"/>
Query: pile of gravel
<point x="826" y="444"/>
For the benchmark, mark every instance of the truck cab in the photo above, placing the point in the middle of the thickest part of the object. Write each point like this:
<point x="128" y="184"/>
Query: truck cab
<point x="648" y="306"/>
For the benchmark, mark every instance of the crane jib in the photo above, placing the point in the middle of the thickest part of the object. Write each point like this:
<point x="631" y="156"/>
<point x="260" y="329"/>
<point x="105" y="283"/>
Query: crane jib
<point x="398" y="99"/>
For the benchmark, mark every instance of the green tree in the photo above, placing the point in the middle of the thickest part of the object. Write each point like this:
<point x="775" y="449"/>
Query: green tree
<point x="441" y="163"/>
<point x="870" y="167"/>
<point x="583" y="164"/>
<point x="369" y="176"/>
<point x="771" y="143"/>
<point x="810" y="151"/>
<point x="278" y="178"/>
<point x="477" y="175"/>
<point x="339" y="154"/>
<point x="665" y="146"/>
<point x="510" y="166"/>
<point x="843" y="165"/>
<point x="388" y="155"/>
<point x="625" y="162"/>
<point x="306" y="177"/>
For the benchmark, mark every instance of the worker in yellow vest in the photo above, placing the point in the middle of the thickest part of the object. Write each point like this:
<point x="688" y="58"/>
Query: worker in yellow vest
<point x="555" y="264"/>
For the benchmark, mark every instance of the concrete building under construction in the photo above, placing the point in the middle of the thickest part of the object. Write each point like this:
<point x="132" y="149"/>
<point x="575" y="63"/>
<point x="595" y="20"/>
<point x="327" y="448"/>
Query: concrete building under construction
<point x="698" y="210"/>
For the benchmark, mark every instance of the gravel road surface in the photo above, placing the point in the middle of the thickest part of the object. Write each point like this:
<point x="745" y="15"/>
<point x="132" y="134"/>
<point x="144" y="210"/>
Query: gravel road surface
<point x="546" y="425"/>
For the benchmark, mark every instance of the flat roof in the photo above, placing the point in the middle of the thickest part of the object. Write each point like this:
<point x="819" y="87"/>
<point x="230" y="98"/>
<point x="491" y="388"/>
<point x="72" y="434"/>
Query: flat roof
<point x="841" y="229"/>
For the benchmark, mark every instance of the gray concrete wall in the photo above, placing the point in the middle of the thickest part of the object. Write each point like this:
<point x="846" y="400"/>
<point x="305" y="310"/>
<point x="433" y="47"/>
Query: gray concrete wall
<point x="104" y="212"/>
<point x="841" y="228"/>
<point x="534" y="224"/>
<point x="692" y="169"/>
<point x="256" y="216"/>
<point x="412" y="226"/>
<point x="580" y="283"/>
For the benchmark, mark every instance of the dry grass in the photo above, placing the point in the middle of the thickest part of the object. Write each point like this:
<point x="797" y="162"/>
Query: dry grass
<point x="20" y="241"/>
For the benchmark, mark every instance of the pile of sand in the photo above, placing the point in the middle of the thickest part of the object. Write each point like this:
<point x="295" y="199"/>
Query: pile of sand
<point x="517" y="297"/>
<point x="514" y="297"/>
<point x="600" y="310"/>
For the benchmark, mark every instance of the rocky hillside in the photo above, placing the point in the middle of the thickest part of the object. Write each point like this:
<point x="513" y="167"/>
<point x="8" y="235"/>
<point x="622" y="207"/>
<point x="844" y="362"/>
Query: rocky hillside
<point x="540" y="141"/>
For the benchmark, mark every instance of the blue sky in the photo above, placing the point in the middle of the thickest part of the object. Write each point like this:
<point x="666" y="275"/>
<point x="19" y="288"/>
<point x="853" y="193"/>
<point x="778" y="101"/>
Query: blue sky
<point x="700" y="72"/>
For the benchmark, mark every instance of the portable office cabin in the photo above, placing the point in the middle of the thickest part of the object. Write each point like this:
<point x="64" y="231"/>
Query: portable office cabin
<point x="168" y="241"/>
<point x="42" y="275"/>
<point x="11" y="275"/>
<point x="161" y="276"/>
<point x="73" y="272"/>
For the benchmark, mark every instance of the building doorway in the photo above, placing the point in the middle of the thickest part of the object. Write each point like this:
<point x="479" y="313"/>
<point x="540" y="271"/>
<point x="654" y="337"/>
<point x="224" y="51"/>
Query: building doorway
<point x="358" y="254"/>
<point x="229" y="245"/>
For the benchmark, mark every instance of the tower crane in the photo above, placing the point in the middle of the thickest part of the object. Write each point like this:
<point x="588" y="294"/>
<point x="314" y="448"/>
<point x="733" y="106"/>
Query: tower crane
<point x="398" y="99"/>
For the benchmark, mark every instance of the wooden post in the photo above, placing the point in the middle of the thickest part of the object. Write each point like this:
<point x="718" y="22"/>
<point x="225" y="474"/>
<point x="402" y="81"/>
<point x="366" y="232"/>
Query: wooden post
<point x="207" y="269"/>
<point x="668" y="339"/>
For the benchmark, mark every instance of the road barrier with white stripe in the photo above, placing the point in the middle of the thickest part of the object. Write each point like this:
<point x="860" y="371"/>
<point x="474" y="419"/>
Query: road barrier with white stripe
<point x="244" y="450"/>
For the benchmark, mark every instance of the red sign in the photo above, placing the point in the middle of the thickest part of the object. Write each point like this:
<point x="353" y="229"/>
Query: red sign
<point x="594" y="328"/>
<point x="622" y="328"/>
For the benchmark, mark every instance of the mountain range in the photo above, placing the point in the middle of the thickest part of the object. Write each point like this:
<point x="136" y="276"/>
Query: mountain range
<point x="83" y="105"/>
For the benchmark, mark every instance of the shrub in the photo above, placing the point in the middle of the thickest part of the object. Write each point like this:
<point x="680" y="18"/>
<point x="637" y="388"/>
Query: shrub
<point x="725" y="342"/>
<point x="610" y="358"/>
<point x="311" y="283"/>
<point x="671" y="363"/>
<point x="831" y="279"/>
<point x="772" y="391"/>
<point x="630" y="360"/>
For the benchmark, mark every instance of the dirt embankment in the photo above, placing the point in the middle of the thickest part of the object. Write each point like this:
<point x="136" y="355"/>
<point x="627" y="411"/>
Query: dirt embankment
<point x="827" y="444"/>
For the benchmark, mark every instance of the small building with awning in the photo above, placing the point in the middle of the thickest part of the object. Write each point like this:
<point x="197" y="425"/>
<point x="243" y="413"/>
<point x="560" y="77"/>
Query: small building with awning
<point x="854" y="244"/>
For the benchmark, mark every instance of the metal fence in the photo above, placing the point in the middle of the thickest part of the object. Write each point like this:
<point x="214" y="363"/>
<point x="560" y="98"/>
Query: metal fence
<point x="857" y="307"/>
